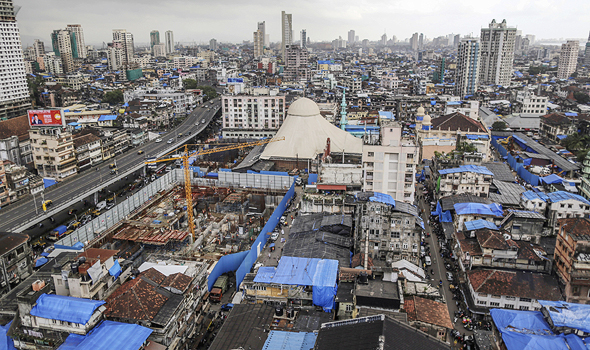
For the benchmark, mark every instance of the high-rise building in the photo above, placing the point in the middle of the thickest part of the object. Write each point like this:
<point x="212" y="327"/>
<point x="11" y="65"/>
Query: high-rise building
<point x="154" y="38"/>
<point x="258" y="43"/>
<point x="568" y="59"/>
<point x="414" y="41"/>
<point x="296" y="64"/>
<point x="124" y="40"/>
<point x="351" y="37"/>
<point x="262" y="28"/>
<point x="383" y="39"/>
<point x="467" y="75"/>
<point x="169" y="41"/>
<point x="456" y="40"/>
<point x="287" y="31"/>
<point x="78" y="43"/>
<point x="496" y="53"/>
<point x="14" y="95"/>
<point x="587" y="52"/>
<point x="61" y="40"/>
<point x="213" y="45"/>
<point x="159" y="50"/>
<point x="39" y="48"/>
<point x="303" y="39"/>
<point x="421" y="41"/>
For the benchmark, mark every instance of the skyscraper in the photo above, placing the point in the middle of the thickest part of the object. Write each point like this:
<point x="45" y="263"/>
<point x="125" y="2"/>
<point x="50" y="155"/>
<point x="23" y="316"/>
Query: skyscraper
<point x="62" y="40"/>
<point x="383" y="39"/>
<point x="568" y="59"/>
<point x="497" y="54"/>
<point x="213" y="45"/>
<point x="351" y="36"/>
<point x="78" y="44"/>
<point x="169" y="41"/>
<point x="414" y="41"/>
<point x="262" y="28"/>
<point x="39" y="48"/>
<point x="587" y="52"/>
<point x="287" y="31"/>
<point x="467" y="75"/>
<point x="303" y="39"/>
<point x="14" y="96"/>
<point x="421" y="41"/>
<point x="258" y="43"/>
<point x="124" y="40"/>
<point x="154" y="38"/>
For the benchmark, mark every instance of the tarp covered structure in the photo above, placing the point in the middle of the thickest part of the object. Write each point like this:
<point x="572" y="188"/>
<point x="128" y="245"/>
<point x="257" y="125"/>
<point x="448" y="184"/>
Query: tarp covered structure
<point x="467" y="169"/>
<point x="64" y="308"/>
<point x="551" y="179"/>
<point x="281" y="340"/>
<point x="109" y="335"/>
<point x="382" y="198"/>
<point x="528" y="330"/>
<point x="493" y="209"/>
<point x="41" y="262"/>
<point x="443" y="216"/>
<point x="569" y="315"/>
<point x="6" y="343"/>
<point x="306" y="134"/>
<point x="321" y="274"/>
<point x="227" y="263"/>
<point x="559" y="196"/>
<point x="480" y="224"/>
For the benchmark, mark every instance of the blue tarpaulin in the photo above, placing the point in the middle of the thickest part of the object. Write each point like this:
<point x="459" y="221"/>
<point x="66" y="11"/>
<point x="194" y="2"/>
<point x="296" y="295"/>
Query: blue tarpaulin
<point x="321" y="274"/>
<point x="559" y="196"/>
<point x="6" y="342"/>
<point x="48" y="182"/>
<point x="467" y="168"/>
<point x="493" y="209"/>
<point x="227" y="263"/>
<point x="40" y="262"/>
<point x="103" y="118"/>
<point x="561" y="137"/>
<point x="443" y="216"/>
<point x="281" y="340"/>
<point x="569" y="315"/>
<point x="109" y="335"/>
<point x="115" y="270"/>
<point x="551" y="179"/>
<point x="382" y="198"/>
<point x="312" y="179"/>
<point x="480" y="224"/>
<point x="64" y="308"/>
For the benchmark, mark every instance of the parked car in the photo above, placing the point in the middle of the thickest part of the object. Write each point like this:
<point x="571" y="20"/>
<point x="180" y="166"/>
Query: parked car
<point x="110" y="206"/>
<point x="227" y="307"/>
<point x="274" y="236"/>
<point x="158" y="140"/>
<point x="171" y="140"/>
<point x="449" y="276"/>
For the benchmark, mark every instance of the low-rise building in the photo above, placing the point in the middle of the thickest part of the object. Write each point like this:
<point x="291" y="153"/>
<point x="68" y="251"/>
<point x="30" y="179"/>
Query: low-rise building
<point x="53" y="153"/>
<point x="429" y="316"/>
<point x="524" y="225"/>
<point x="465" y="179"/>
<point x="528" y="103"/>
<point x="572" y="258"/>
<point x="15" y="144"/>
<point x="15" y="256"/>
<point x="252" y="116"/>
<point x="114" y="141"/>
<point x="88" y="150"/>
<point x="564" y="205"/>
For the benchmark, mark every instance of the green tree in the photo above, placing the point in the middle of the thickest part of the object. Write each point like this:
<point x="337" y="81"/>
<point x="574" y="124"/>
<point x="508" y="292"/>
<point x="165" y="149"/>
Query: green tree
<point x="466" y="147"/>
<point x="113" y="97"/>
<point x="581" y="97"/>
<point x="499" y="126"/>
<point x="190" y="83"/>
<point x="36" y="85"/>
<point x="209" y="92"/>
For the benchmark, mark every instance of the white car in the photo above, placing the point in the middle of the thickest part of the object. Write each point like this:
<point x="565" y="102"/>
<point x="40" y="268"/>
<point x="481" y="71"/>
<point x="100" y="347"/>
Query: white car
<point x="274" y="236"/>
<point x="101" y="205"/>
<point x="170" y="141"/>
<point x="158" y="140"/>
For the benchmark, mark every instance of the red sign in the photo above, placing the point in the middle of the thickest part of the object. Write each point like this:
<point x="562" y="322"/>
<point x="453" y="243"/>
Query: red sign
<point x="46" y="117"/>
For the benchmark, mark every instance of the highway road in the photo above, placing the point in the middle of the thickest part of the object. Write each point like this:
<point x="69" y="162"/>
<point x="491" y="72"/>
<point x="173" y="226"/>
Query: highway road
<point x="22" y="214"/>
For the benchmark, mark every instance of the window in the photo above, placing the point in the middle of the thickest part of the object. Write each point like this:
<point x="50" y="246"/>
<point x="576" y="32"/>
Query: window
<point x="395" y="235"/>
<point x="508" y="306"/>
<point x="526" y="300"/>
<point x="348" y="307"/>
<point x="524" y="308"/>
<point x="371" y="154"/>
<point x="405" y="245"/>
<point x="482" y="302"/>
<point x="493" y="303"/>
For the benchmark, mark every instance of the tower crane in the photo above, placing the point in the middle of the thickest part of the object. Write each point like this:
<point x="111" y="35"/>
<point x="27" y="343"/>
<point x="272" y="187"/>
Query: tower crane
<point x="186" y="154"/>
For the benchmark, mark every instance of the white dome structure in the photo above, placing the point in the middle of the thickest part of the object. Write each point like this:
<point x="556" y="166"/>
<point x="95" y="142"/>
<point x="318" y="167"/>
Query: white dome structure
<point x="306" y="133"/>
<point x="420" y="111"/>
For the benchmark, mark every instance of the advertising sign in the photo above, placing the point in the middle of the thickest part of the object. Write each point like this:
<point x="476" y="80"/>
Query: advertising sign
<point x="46" y="117"/>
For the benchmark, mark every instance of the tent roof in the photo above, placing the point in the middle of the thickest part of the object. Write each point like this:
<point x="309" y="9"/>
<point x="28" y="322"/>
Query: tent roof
<point x="306" y="133"/>
<point x="64" y="308"/>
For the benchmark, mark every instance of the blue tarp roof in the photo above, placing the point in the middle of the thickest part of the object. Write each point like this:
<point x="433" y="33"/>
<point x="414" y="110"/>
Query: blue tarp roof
<point x="493" y="209"/>
<point x="571" y="114"/>
<point x="6" y="343"/>
<point x="63" y="308"/>
<point x="109" y="335"/>
<point x="386" y="115"/>
<point x="563" y="195"/>
<point x="570" y="315"/>
<point x="107" y="117"/>
<point x="48" y="182"/>
<point x="321" y="274"/>
<point x="39" y="262"/>
<point x="281" y="340"/>
<point x="561" y="137"/>
<point x="467" y="168"/>
<point x="115" y="270"/>
<point x="530" y="195"/>
<point x="477" y="137"/>
<point x="382" y="198"/>
<point x="552" y="179"/>
<point x="479" y="224"/>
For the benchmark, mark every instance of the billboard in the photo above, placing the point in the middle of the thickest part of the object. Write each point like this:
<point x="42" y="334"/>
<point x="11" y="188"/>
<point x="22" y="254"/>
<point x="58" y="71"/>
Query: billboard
<point x="46" y="117"/>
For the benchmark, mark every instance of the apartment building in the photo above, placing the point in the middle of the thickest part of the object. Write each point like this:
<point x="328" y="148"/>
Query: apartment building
<point x="465" y="179"/>
<point x="467" y="76"/>
<point x="88" y="150"/>
<point x="529" y="103"/>
<point x="15" y="259"/>
<point x="252" y="116"/>
<point x="390" y="167"/>
<point x="182" y="101"/>
<point x="387" y="229"/>
<point x="296" y="64"/>
<point x="53" y="152"/>
<point x="572" y="258"/>
<point x="497" y="53"/>
<point x="568" y="59"/>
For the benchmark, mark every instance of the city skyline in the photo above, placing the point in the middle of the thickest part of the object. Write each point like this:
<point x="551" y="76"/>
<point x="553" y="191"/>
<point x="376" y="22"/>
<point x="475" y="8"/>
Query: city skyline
<point x="229" y="22"/>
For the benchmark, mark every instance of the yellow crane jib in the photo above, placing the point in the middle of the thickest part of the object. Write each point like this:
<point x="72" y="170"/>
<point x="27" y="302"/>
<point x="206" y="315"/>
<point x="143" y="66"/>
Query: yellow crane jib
<point x="185" y="154"/>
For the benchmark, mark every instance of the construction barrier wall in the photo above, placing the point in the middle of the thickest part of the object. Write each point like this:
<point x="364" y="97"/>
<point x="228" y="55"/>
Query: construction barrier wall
<point x="516" y="166"/>
<point x="227" y="263"/>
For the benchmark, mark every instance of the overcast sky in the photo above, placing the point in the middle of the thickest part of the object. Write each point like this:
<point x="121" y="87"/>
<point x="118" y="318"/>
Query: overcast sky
<point x="235" y="20"/>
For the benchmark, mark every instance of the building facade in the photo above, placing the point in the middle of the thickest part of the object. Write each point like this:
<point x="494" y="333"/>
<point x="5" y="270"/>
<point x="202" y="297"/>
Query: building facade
<point x="286" y="31"/>
<point x="78" y="40"/>
<point x="53" y="152"/>
<point x="572" y="258"/>
<point x="467" y="76"/>
<point x="62" y="47"/>
<point x="169" y="41"/>
<point x="249" y="116"/>
<point x="497" y="53"/>
<point x="568" y="59"/>
<point x="532" y="104"/>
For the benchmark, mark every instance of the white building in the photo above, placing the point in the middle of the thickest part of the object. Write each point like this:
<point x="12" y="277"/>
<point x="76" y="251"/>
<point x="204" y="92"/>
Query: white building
<point x="249" y="116"/>
<point x="181" y="101"/>
<point x="286" y="31"/>
<point x="467" y="76"/>
<point x="159" y="50"/>
<point x="169" y="41"/>
<point x="531" y="104"/>
<point x="568" y="59"/>
<point x="53" y="64"/>
<point x="258" y="43"/>
<point x="14" y="95"/>
<point x="390" y="168"/>
<point x="76" y="29"/>
<point x="390" y="81"/>
<point x="124" y="40"/>
<point x="465" y="179"/>
<point x="497" y="54"/>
